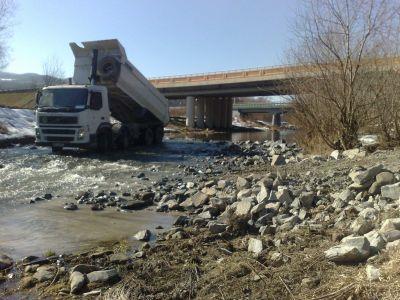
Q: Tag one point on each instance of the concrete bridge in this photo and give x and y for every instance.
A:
(209, 96)
(273, 107)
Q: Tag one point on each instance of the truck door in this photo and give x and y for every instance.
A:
(98, 115)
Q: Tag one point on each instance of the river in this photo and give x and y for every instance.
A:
(29, 172)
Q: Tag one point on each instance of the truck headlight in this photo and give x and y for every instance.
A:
(81, 133)
(37, 133)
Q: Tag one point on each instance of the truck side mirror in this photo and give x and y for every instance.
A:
(38, 95)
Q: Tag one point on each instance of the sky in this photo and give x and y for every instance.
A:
(161, 37)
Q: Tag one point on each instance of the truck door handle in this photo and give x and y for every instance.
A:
(102, 118)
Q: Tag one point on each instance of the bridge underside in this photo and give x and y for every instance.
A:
(239, 89)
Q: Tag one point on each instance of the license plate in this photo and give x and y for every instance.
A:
(58, 145)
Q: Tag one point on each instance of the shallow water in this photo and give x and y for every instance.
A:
(31, 229)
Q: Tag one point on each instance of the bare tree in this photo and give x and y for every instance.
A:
(7, 8)
(53, 71)
(344, 50)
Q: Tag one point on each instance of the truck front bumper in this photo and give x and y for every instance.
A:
(63, 137)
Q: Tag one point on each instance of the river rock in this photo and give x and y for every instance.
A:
(84, 268)
(105, 276)
(245, 193)
(216, 228)
(199, 199)
(335, 154)
(373, 273)
(352, 153)
(242, 183)
(278, 160)
(44, 273)
(362, 177)
(5, 262)
(376, 241)
(307, 199)
(143, 235)
(134, 204)
(391, 235)
(352, 250)
(119, 258)
(361, 226)
(70, 206)
(255, 246)
(27, 282)
(263, 194)
(390, 224)
(77, 282)
(243, 207)
(391, 191)
(147, 197)
(283, 196)
(385, 178)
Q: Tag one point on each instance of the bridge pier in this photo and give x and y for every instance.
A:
(209, 112)
(190, 112)
(200, 113)
(276, 119)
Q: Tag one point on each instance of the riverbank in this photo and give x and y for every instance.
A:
(258, 220)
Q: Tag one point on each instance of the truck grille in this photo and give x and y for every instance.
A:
(60, 138)
(58, 131)
(58, 120)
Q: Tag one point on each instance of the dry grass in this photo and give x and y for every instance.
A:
(18, 99)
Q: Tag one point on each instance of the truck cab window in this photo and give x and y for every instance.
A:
(96, 101)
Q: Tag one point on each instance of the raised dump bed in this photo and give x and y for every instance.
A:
(132, 98)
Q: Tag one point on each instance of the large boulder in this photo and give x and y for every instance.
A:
(103, 277)
(352, 250)
(77, 282)
(362, 177)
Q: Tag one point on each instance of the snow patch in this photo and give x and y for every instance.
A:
(18, 123)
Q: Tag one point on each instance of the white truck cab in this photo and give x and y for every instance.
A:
(71, 115)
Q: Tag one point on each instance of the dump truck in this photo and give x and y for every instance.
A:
(107, 105)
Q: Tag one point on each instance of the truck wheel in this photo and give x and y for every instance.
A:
(123, 141)
(158, 135)
(148, 137)
(104, 142)
(56, 149)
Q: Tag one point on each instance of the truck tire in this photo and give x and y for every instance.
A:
(104, 142)
(158, 135)
(109, 68)
(123, 140)
(56, 149)
(148, 137)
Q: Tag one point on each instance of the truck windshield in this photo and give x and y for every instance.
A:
(71, 98)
